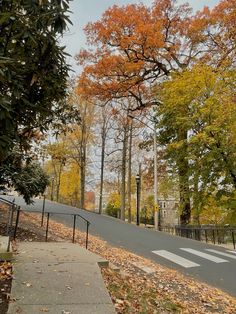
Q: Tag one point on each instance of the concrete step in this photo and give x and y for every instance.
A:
(4, 254)
(58, 278)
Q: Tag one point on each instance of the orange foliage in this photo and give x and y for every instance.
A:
(135, 46)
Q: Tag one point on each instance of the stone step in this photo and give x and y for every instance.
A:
(4, 254)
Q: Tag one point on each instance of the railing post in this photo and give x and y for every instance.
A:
(218, 237)
(213, 233)
(42, 218)
(73, 240)
(48, 215)
(86, 244)
(233, 239)
(10, 217)
(17, 221)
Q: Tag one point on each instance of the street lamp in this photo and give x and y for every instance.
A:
(52, 188)
(137, 178)
(157, 213)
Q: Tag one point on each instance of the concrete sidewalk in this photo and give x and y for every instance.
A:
(58, 278)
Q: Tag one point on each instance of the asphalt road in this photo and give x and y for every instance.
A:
(194, 258)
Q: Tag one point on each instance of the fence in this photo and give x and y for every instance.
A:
(209, 234)
(13, 218)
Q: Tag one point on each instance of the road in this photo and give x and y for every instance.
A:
(211, 264)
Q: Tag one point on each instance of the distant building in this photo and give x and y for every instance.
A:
(169, 211)
(105, 198)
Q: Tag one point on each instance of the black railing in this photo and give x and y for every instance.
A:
(209, 234)
(17, 209)
(10, 217)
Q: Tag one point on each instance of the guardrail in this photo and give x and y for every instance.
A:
(209, 234)
(17, 209)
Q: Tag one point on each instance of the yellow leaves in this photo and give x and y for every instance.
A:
(212, 213)
(114, 200)
(70, 186)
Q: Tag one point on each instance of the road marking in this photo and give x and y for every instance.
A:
(221, 253)
(176, 259)
(234, 252)
(205, 255)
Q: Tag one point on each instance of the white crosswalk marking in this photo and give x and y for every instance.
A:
(205, 255)
(221, 253)
(234, 252)
(176, 259)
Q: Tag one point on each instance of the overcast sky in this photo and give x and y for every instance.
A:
(84, 11)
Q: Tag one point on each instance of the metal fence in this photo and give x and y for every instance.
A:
(209, 234)
(13, 220)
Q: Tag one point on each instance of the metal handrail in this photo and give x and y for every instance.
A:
(18, 209)
(7, 201)
(48, 213)
(207, 233)
(10, 215)
(68, 214)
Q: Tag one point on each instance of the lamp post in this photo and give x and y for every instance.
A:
(157, 213)
(52, 190)
(43, 210)
(137, 178)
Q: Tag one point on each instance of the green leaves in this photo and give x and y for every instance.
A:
(33, 80)
(32, 64)
(201, 103)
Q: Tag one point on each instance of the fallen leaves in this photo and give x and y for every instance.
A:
(142, 286)
(5, 270)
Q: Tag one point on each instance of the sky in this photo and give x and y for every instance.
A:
(84, 11)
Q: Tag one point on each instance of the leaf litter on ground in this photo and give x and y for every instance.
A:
(135, 291)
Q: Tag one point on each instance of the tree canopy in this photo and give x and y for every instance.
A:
(183, 63)
(32, 67)
(33, 78)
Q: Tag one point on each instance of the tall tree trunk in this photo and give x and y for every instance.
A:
(196, 197)
(58, 181)
(129, 172)
(183, 172)
(123, 173)
(82, 175)
(104, 133)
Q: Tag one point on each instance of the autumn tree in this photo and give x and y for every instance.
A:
(70, 186)
(201, 103)
(80, 138)
(103, 121)
(136, 47)
(58, 153)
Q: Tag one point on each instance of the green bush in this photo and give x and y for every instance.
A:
(112, 211)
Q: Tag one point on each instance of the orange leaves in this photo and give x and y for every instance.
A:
(135, 46)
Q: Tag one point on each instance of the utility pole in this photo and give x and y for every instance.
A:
(138, 184)
(156, 207)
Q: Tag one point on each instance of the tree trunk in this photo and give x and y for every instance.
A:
(123, 174)
(104, 133)
(183, 172)
(82, 175)
(129, 173)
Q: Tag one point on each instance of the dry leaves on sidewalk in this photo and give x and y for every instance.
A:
(134, 291)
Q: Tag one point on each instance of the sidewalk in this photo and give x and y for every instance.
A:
(58, 278)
